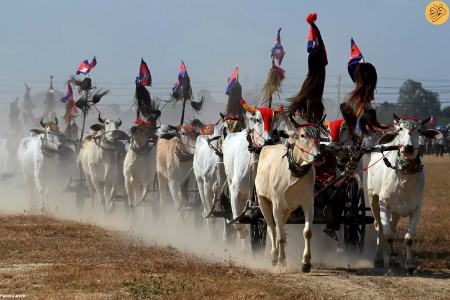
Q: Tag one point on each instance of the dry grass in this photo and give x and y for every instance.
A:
(432, 245)
(49, 258)
(46, 258)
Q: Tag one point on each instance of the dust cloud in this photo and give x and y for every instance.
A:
(191, 236)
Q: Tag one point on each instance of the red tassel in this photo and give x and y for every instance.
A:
(142, 122)
(280, 71)
(312, 17)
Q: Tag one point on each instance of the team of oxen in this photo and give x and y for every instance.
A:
(234, 155)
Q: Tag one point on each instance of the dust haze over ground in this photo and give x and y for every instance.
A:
(345, 274)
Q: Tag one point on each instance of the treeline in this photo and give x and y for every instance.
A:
(415, 101)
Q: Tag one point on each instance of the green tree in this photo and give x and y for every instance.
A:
(385, 112)
(416, 101)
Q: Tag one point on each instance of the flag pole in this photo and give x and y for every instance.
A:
(184, 102)
(182, 112)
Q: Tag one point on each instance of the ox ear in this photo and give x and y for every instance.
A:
(97, 127)
(38, 131)
(387, 138)
(431, 133)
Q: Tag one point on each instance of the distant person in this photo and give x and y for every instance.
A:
(422, 149)
(440, 145)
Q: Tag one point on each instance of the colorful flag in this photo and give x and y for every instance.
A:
(356, 57)
(69, 94)
(182, 71)
(314, 37)
(85, 67)
(232, 80)
(278, 51)
(145, 78)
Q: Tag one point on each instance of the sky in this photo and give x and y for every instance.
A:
(44, 37)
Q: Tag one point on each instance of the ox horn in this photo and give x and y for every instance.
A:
(100, 118)
(120, 123)
(320, 123)
(279, 110)
(56, 121)
(42, 123)
(247, 107)
(396, 118)
(296, 125)
(423, 122)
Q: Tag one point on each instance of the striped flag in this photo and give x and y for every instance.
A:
(69, 94)
(232, 80)
(356, 57)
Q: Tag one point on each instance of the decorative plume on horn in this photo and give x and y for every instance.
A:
(247, 107)
(85, 84)
(98, 95)
(144, 104)
(276, 74)
(308, 101)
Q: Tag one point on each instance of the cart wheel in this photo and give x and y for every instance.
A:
(355, 214)
(258, 231)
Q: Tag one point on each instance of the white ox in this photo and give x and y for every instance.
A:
(240, 164)
(285, 182)
(174, 165)
(397, 191)
(38, 159)
(139, 167)
(209, 171)
(101, 157)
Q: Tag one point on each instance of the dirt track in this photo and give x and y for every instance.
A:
(44, 257)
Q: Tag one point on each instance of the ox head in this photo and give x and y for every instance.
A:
(142, 131)
(109, 128)
(51, 138)
(262, 120)
(406, 134)
(231, 123)
(187, 135)
(306, 140)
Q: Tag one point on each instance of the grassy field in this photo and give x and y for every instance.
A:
(432, 245)
(48, 258)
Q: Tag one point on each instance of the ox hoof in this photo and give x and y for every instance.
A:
(393, 263)
(411, 270)
(379, 264)
(306, 268)
(282, 263)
